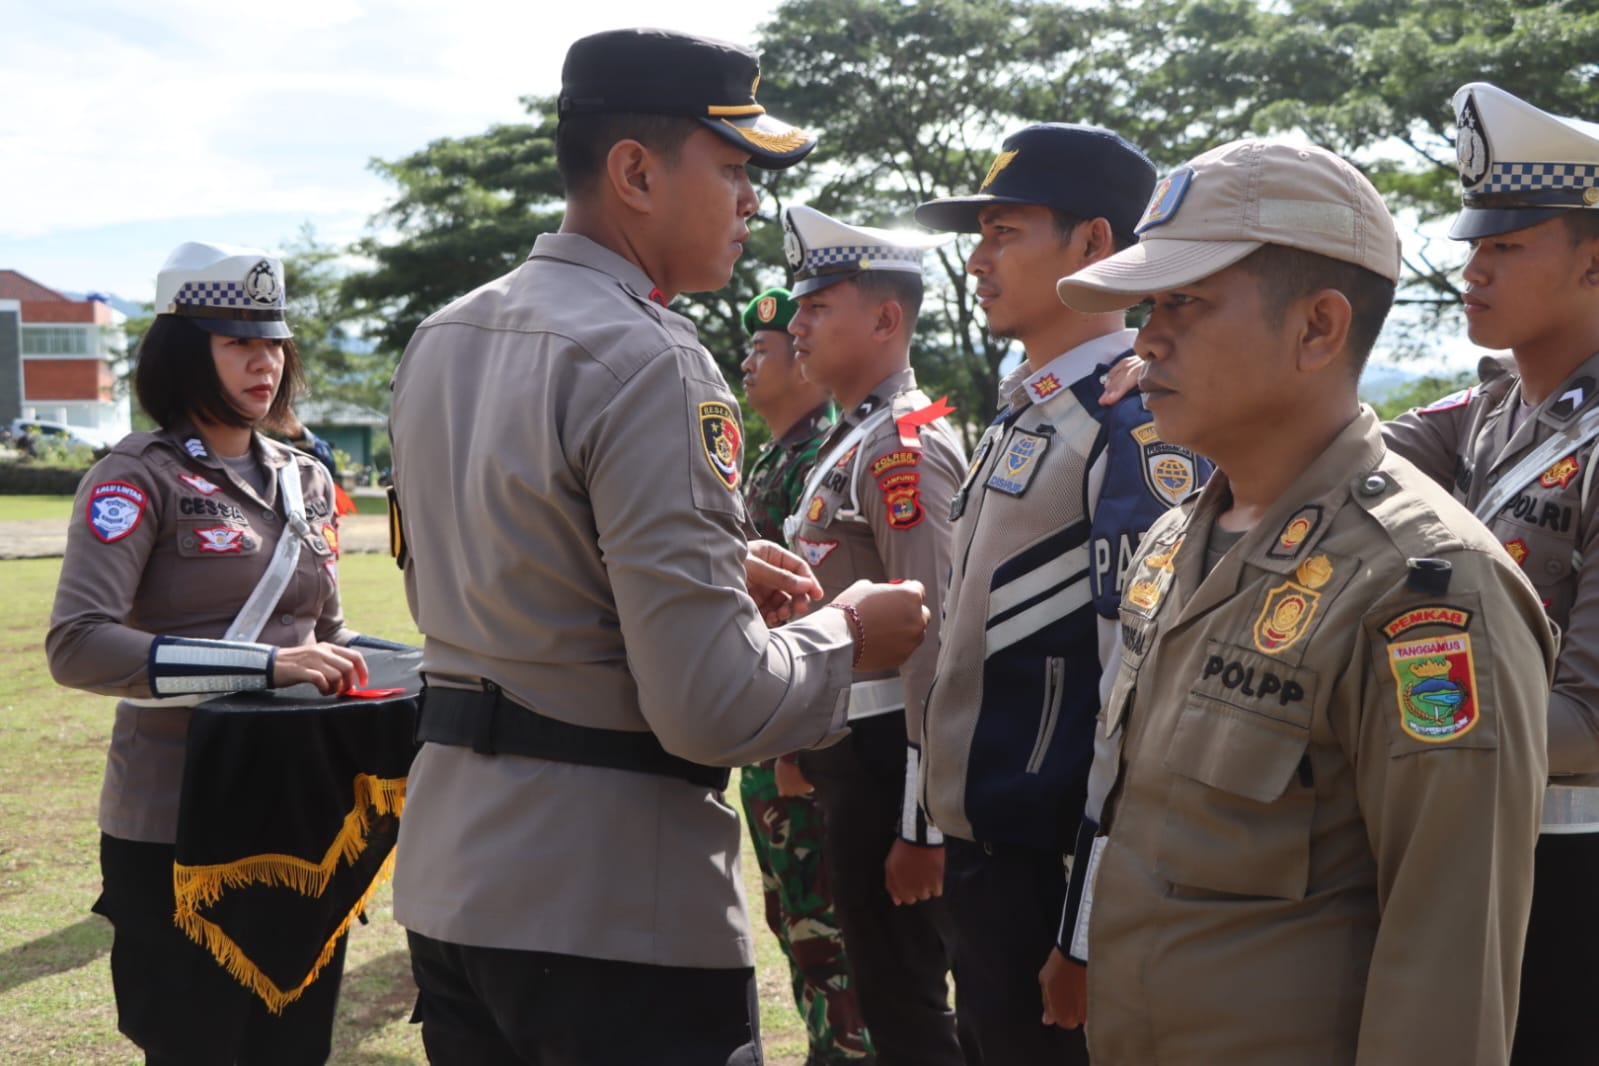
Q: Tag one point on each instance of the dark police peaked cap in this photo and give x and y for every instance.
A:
(660, 72)
(1519, 166)
(1085, 171)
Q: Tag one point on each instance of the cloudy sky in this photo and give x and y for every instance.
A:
(132, 127)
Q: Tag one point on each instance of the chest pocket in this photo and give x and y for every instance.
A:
(215, 538)
(1242, 797)
(1540, 527)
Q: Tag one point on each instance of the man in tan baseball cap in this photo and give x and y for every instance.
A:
(1320, 774)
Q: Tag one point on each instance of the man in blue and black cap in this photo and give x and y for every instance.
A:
(1047, 518)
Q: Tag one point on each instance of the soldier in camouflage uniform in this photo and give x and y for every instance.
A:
(785, 823)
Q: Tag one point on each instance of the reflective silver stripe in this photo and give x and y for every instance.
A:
(868, 699)
(1570, 809)
(171, 701)
(214, 655)
(910, 817)
(252, 617)
(1535, 462)
(791, 524)
(1024, 624)
(1079, 944)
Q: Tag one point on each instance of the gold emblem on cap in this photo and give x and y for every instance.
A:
(776, 143)
(1003, 160)
(1590, 196)
(766, 310)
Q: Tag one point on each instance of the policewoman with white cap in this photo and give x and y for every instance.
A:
(201, 559)
(1519, 449)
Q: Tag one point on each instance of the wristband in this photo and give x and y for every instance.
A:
(857, 630)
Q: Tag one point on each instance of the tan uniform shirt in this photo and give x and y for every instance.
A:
(1549, 527)
(881, 513)
(1321, 835)
(166, 540)
(567, 457)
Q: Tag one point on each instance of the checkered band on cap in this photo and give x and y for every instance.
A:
(213, 294)
(878, 254)
(1533, 177)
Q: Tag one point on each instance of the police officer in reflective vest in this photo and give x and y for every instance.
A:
(1047, 518)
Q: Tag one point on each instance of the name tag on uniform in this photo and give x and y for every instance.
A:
(1015, 469)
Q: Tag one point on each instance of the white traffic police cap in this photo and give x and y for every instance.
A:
(236, 292)
(823, 251)
(1518, 165)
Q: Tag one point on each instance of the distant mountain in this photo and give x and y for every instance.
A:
(130, 308)
(1380, 379)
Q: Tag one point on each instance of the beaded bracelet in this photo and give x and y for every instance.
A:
(857, 630)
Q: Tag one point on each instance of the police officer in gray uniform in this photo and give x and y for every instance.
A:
(1519, 449)
(567, 455)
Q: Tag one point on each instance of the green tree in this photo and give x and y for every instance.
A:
(1370, 79)
(913, 101)
(1420, 393)
(467, 211)
(339, 364)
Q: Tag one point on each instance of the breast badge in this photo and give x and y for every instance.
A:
(1170, 472)
(1015, 468)
(114, 510)
(1295, 531)
(1560, 475)
(814, 552)
(1285, 617)
(1437, 687)
(198, 484)
(1155, 573)
(721, 439)
(221, 540)
(1518, 550)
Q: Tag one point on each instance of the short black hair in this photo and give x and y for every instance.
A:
(582, 142)
(901, 286)
(1582, 225)
(1066, 222)
(175, 377)
(1285, 274)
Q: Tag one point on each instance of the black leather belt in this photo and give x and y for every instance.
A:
(488, 723)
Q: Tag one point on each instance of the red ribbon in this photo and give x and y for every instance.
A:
(909, 425)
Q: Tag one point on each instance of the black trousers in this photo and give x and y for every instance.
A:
(174, 1000)
(1006, 902)
(500, 1007)
(1560, 970)
(899, 955)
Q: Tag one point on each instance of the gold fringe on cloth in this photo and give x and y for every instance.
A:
(201, 886)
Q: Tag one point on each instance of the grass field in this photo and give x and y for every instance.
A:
(55, 992)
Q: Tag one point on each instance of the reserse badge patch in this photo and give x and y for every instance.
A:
(721, 439)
